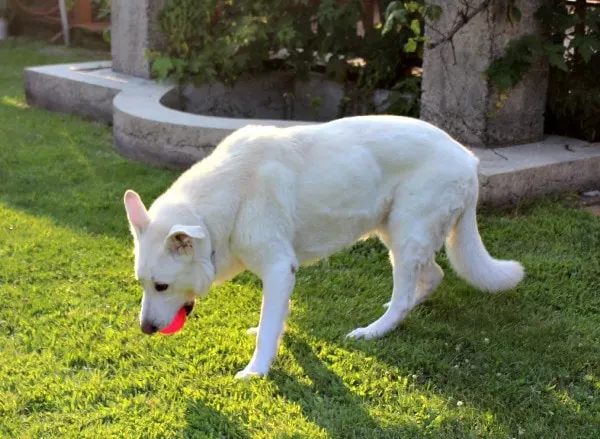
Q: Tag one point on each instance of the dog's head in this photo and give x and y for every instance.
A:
(173, 262)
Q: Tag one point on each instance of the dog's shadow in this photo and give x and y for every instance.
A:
(460, 344)
(205, 421)
(323, 397)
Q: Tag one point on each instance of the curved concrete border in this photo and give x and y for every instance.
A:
(144, 129)
(147, 131)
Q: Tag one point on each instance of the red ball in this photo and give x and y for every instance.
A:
(177, 322)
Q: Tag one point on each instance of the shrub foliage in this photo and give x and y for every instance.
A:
(221, 40)
(209, 40)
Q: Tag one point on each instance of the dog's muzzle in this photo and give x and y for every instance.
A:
(150, 328)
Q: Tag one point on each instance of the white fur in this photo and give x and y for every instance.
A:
(269, 199)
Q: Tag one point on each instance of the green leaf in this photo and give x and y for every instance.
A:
(415, 26)
(412, 6)
(400, 16)
(410, 46)
(558, 60)
(397, 18)
(389, 24)
(161, 67)
(503, 81)
(586, 46)
(586, 52)
(393, 6)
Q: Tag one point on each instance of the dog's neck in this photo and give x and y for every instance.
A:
(224, 263)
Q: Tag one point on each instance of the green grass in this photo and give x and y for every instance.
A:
(74, 364)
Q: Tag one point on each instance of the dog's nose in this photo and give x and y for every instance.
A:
(149, 328)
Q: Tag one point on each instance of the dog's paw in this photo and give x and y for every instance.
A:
(248, 373)
(364, 334)
(370, 332)
(252, 331)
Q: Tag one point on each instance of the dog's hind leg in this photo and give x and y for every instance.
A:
(408, 257)
(413, 238)
(430, 278)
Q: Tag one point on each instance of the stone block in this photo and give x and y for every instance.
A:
(72, 89)
(134, 30)
(553, 165)
(458, 97)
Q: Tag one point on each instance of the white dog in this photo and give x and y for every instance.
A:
(269, 199)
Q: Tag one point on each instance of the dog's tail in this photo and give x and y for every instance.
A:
(471, 260)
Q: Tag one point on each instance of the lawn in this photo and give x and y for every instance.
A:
(74, 364)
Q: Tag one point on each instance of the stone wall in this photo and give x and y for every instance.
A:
(456, 95)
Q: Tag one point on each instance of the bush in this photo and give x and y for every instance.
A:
(572, 47)
(574, 90)
(101, 9)
(220, 40)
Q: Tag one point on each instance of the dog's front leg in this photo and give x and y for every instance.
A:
(278, 283)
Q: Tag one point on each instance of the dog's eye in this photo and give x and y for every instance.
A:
(160, 287)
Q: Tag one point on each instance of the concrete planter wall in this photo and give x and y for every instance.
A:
(277, 95)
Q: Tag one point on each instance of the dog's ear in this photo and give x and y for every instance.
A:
(136, 213)
(181, 239)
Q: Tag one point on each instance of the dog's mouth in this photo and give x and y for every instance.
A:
(178, 320)
(189, 307)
